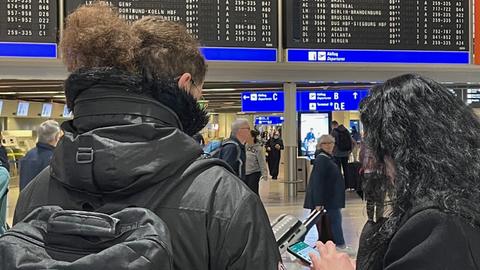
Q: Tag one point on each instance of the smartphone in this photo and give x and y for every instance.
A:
(301, 251)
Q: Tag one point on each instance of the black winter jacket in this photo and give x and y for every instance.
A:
(140, 158)
(428, 239)
(326, 186)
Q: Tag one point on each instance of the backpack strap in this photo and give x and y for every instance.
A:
(239, 154)
(84, 158)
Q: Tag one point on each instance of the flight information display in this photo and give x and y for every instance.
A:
(216, 23)
(28, 28)
(28, 21)
(440, 26)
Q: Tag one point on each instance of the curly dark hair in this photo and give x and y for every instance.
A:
(433, 139)
(168, 50)
(95, 36)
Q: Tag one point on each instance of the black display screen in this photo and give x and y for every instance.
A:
(434, 25)
(216, 23)
(28, 21)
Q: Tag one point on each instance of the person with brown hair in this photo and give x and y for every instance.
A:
(133, 91)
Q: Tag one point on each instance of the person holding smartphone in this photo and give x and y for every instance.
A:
(428, 141)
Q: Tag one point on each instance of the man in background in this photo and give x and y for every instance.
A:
(39, 157)
(233, 149)
(343, 145)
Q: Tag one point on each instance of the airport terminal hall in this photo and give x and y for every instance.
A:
(240, 134)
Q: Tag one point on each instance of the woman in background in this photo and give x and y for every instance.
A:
(256, 167)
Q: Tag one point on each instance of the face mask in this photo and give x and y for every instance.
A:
(276, 137)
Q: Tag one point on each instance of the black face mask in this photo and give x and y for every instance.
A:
(191, 115)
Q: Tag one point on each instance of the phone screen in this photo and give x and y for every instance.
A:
(301, 251)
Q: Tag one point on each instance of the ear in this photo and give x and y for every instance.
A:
(184, 81)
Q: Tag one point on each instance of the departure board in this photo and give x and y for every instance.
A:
(389, 25)
(216, 23)
(33, 21)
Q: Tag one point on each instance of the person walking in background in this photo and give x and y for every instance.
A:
(357, 138)
(233, 149)
(343, 145)
(373, 185)
(274, 148)
(326, 189)
(38, 158)
(256, 168)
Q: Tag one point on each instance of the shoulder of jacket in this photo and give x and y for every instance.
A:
(219, 191)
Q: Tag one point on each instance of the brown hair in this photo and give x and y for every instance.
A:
(168, 50)
(95, 36)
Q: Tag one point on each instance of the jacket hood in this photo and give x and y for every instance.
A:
(105, 83)
(121, 140)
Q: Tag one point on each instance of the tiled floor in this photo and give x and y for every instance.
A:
(272, 195)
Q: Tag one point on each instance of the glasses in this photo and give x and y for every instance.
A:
(326, 143)
(245, 128)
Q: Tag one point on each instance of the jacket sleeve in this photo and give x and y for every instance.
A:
(281, 145)
(229, 154)
(318, 176)
(249, 242)
(431, 240)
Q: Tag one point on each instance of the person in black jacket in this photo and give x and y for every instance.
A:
(274, 148)
(130, 144)
(326, 189)
(39, 157)
(428, 141)
(233, 149)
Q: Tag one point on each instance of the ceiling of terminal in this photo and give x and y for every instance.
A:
(221, 97)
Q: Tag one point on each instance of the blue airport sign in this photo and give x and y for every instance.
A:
(377, 56)
(263, 101)
(269, 120)
(330, 100)
(28, 50)
(239, 54)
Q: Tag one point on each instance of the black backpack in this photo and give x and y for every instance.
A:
(53, 238)
(215, 153)
(344, 140)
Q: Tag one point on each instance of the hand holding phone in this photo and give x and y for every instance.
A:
(301, 250)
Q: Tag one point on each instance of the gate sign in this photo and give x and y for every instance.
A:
(330, 100)
(473, 98)
(263, 101)
(268, 120)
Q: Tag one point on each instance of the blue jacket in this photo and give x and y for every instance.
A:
(34, 162)
(4, 179)
(326, 186)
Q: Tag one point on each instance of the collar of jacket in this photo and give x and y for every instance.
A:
(45, 146)
(325, 152)
(99, 92)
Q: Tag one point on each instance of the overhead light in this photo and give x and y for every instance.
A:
(220, 90)
(32, 93)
